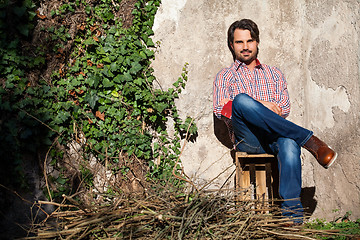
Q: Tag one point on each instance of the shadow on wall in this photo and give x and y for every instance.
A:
(307, 200)
(221, 132)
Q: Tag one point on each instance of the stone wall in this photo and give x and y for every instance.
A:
(316, 45)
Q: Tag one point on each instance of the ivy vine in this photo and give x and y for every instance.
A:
(102, 93)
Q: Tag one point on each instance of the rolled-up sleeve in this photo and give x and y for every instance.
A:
(281, 93)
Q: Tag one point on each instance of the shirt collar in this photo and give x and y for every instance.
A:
(237, 64)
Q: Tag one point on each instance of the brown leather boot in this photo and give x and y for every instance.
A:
(321, 151)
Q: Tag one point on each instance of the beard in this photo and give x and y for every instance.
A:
(247, 56)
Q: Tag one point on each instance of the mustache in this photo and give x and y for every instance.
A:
(246, 51)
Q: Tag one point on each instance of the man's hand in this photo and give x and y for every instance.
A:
(272, 106)
(224, 101)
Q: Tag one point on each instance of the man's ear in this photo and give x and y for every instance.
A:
(232, 46)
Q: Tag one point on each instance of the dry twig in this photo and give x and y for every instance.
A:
(214, 215)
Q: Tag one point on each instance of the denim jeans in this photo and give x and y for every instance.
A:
(259, 130)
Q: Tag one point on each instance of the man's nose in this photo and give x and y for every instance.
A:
(245, 46)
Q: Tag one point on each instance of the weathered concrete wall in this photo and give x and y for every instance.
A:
(314, 42)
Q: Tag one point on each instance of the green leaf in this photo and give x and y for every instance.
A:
(87, 9)
(107, 83)
(139, 81)
(19, 11)
(39, 60)
(100, 51)
(23, 29)
(115, 94)
(150, 43)
(9, 85)
(160, 106)
(61, 180)
(126, 77)
(114, 67)
(93, 80)
(91, 98)
(135, 67)
(107, 59)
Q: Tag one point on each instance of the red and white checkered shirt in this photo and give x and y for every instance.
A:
(264, 83)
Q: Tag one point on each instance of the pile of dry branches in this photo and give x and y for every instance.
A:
(206, 215)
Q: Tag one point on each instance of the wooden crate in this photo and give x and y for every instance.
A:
(255, 176)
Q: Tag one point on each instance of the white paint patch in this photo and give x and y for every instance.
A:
(332, 29)
(169, 10)
(322, 101)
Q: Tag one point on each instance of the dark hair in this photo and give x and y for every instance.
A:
(245, 24)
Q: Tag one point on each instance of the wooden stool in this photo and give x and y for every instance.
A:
(255, 176)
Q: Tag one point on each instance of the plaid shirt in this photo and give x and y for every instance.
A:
(265, 83)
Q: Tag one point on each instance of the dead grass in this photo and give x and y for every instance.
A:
(166, 215)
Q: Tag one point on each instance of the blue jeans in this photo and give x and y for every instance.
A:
(259, 130)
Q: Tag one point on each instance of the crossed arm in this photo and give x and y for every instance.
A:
(270, 105)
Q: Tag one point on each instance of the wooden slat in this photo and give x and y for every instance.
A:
(246, 155)
(252, 180)
(237, 174)
(269, 180)
(261, 191)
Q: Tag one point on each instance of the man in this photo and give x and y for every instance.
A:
(255, 97)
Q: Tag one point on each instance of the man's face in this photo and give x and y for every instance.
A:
(245, 46)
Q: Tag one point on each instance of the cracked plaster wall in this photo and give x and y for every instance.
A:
(316, 45)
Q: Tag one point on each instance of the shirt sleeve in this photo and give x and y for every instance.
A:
(220, 91)
(281, 93)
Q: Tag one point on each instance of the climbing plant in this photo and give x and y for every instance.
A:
(16, 130)
(102, 91)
